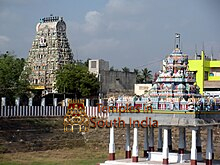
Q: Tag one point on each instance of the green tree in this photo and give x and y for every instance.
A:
(112, 68)
(75, 78)
(87, 62)
(125, 69)
(147, 75)
(139, 77)
(13, 82)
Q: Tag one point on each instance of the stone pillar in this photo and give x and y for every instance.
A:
(160, 143)
(170, 139)
(184, 136)
(43, 102)
(165, 146)
(213, 156)
(30, 101)
(151, 139)
(112, 144)
(181, 144)
(198, 141)
(3, 101)
(146, 144)
(54, 102)
(209, 148)
(193, 147)
(17, 101)
(127, 145)
(135, 145)
(198, 145)
(87, 103)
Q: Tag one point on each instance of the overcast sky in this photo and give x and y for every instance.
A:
(132, 33)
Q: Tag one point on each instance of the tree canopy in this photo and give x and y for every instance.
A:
(75, 78)
(13, 82)
(125, 69)
(143, 76)
(147, 75)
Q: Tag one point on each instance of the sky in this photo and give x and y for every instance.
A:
(131, 33)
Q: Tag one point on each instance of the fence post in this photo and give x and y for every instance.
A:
(3, 101)
(100, 101)
(17, 101)
(3, 106)
(87, 102)
(30, 101)
(66, 102)
(43, 106)
(55, 102)
(43, 102)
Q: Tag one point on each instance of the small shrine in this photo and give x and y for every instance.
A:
(174, 89)
(175, 83)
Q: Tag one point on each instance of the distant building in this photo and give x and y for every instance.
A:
(207, 73)
(96, 66)
(141, 89)
(112, 82)
(50, 50)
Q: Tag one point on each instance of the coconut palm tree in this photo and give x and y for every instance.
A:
(125, 69)
(139, 76)
(147, 75)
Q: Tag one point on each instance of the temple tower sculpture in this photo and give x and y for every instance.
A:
(175, 82)
(50, 50)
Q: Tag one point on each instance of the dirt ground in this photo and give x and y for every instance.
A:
(43, 141)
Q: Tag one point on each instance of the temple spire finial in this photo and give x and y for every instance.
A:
(177, 41)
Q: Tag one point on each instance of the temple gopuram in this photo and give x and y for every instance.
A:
(176, 106)
(50, 50)
(175, 82)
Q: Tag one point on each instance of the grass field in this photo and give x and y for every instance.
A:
(79, 156)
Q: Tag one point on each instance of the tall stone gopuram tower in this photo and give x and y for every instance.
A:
(50, 50)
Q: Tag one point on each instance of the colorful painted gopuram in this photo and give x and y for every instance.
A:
(177, 105)
(174, 83)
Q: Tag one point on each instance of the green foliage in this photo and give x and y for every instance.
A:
(75, 78)
(143, 76)
(139, 77)
(86, 63)
(13, 82)
(147, 75)
(112, 68)
(125, 69)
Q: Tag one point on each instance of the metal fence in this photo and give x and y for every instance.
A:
(45, 111)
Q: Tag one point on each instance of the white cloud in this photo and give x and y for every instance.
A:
(93, 21)
(112, 32)
(4, 40)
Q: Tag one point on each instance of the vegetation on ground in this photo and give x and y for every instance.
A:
(77, 156)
